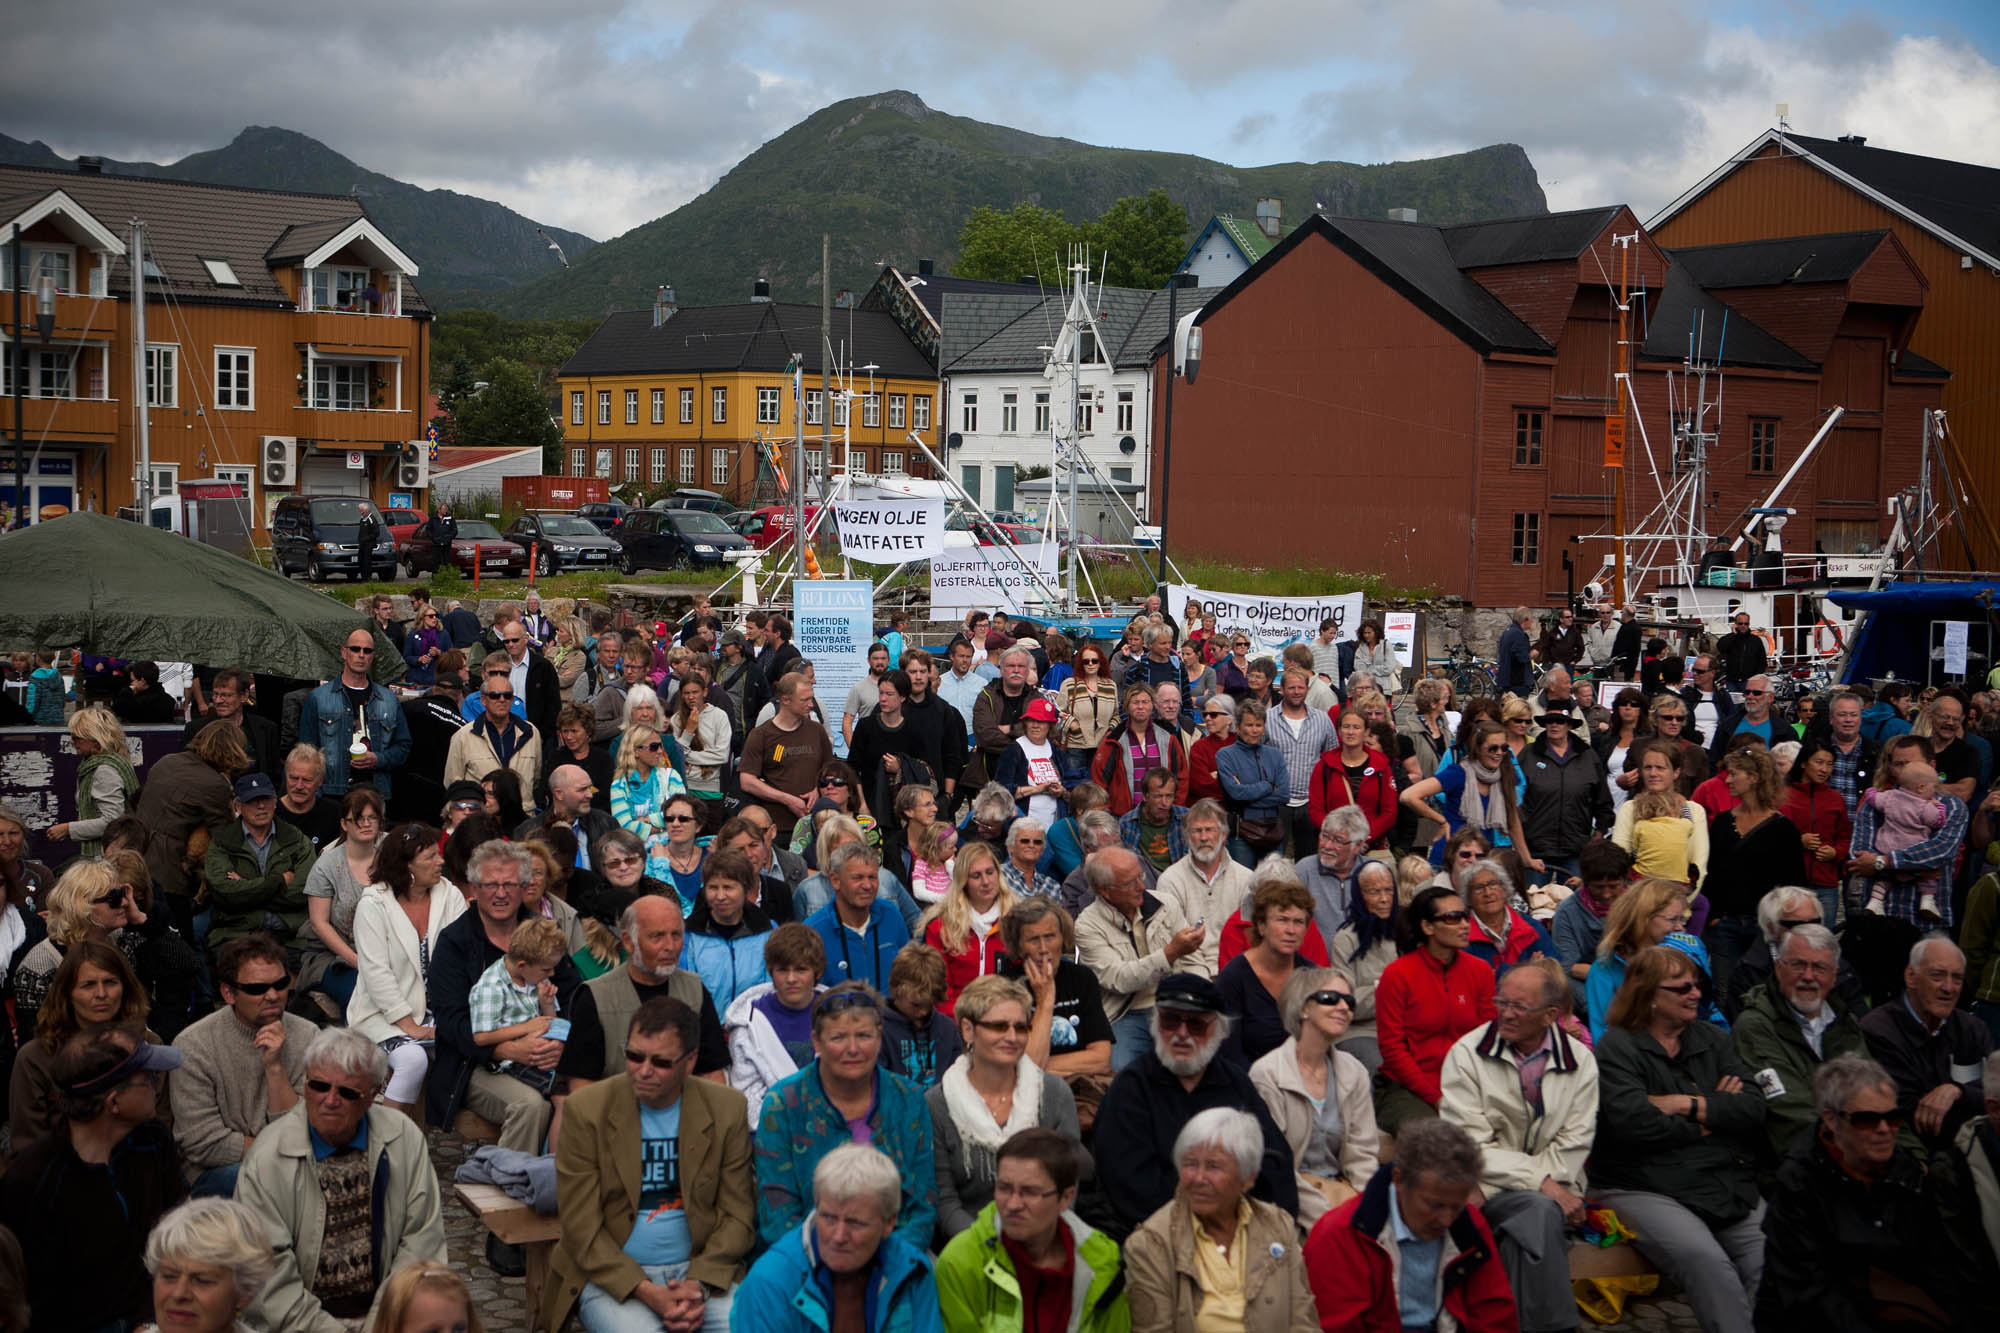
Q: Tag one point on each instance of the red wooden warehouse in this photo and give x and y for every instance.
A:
(1429, 402)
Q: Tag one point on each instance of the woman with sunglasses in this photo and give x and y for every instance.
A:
(839, 784)
(1670, 724)
(1679, 1128)
(88, 903)
(396, 929)
(1319, 1094)
(1218, 718)
(989, 1094)
(642, 709)
(334, 887)
(1232, 673)
(426, 642)
(106, 783)
(678, 854)
(1481, 791)
(1427, 999)
(641, 782)
(1088, 703)
(1615, 744)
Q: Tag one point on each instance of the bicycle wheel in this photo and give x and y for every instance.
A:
(1468, 681)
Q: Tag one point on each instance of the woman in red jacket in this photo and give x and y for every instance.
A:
(1355, 774)
(1218, 717)
(965, 926)
(1426, 1000)
(1816, 810)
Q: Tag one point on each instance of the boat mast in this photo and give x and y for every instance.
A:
(1614, 438)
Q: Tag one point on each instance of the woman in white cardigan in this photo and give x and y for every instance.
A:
(702, 731)
(396, 925)
(1320, 1095)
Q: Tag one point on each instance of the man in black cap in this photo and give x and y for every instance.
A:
(82, 1201)
(257, 868)
(1155, 1095)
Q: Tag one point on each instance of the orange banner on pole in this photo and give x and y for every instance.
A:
(1614, 442)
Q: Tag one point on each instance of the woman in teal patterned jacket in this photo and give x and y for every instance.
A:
(843, 1096)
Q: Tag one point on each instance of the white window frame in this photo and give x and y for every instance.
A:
(871, 410)
(631, 462)
(1086, 414)
(689, 461)
(718, 467)
(163, 374)
(631, 407)
(579, 460)
(1125, 409)
(604, 407)
(892, 460)
(166, 479)
(687, 407)
(338, 278)
(220, 273)
(333, 386)
(968, 420)
(576, 410)
(815, 464)
(1010, 413)
(840, 409)
(658, 474)
(1042, 412)
(242, 474)
(767, 405)
(815, 407)
(899, 408)
(39, 254)
(236, 380)
(920, 411)
(718, 405)
(659, 407)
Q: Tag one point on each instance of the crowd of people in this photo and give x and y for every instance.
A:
(1049, 984)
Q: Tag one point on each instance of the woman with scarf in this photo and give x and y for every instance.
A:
(1363, 949)
(965, 927)
(106, 783)
(1478, 790)
(989, 1094)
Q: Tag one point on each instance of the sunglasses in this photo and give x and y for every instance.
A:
(262, 987)
(1678, 987)
(1456, 914)
(679, 819)
(1196, 1025)
(853, 999)
(322, 1087)
(1000, 1027)
(1215, 713)
(1873, 1119)
(115, 898)
(656, 1061)
(620, 862)
(833, 782)
(1331, 998)
(508, 694)
(467, 807)
(362, 648)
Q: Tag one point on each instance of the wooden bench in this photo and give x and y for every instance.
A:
(515, 1223)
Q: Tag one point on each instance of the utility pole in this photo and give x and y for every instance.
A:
(136, 257)
(1614, 427)
(1174, 285)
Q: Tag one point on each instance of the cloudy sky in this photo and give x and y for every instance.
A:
(600, 114)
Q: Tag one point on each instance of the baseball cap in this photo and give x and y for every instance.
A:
(254, 787)
(996, 640)
(1182, 990)
(1039, 710)
(734, 636)
(94, 1075)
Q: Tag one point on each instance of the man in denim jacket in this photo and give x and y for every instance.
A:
(326, 722)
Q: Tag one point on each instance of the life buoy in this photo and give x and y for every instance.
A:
(1770, 644)
(1827, 641)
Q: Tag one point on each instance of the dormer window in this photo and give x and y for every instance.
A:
(336, 288)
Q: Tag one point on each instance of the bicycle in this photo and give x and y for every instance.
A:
(1467, 675)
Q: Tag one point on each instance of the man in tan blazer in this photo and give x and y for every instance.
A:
(654, 1187)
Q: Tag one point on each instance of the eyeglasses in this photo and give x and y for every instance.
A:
(831, 1003)
(620, 862)
(1025, 840)
(999, 1027)
(1469, 853)
(1515, 1006)
(1813, 966)
(262, 987)
(1195, 1025)
(1331, 998)
(367, 650)
(679, 819)
(115, 898)
(1026, 1193)
(1456, 914)
(833, 782)
(1672, 918)
(501, 694)
(1678, 987)
(1873, 1119)
(656, 1061)
(322, 1087)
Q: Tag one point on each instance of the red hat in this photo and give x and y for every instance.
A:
(1039, 710)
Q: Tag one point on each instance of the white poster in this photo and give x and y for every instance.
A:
(1954, 646)
(990, 578)
(888, 532)
(833, 624)
(1272, 622)
(1399, 628)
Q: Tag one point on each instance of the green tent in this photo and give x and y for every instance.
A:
(119, 589)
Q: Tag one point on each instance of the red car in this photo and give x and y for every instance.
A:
(403, 525)
(478, 545)
(770, 525)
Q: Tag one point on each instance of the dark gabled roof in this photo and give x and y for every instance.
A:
(1834, 257)
(1922, 367)
(1960, 197)
(1681, 317)
(930, 289)
(1414, 257)
(759, 336)
(1526, 240)
(301, 240)
(1013, 331)
(187, 221)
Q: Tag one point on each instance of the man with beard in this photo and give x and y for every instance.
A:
(1153, 1097)
(1208, 884)
(1329, 873)
(1790, 1026)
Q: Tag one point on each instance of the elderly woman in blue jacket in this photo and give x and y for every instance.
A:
(1254, 778)
(805, 1283)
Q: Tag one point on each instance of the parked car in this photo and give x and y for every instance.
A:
(403, 523)
(693, 497)
(557, 540)
(772, 524)
(320, 536)
(674, 538)
(604, 515)
(478, 545)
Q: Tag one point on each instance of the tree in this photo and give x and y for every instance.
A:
(1141, 239)
(510, 410)
(454, 390)
(1003, 247)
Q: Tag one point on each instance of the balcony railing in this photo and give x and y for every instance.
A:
(94, 420)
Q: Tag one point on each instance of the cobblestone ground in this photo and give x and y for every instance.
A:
(503, 1302)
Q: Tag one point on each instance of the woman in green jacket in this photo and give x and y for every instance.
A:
(106, 783)
(1028, 1240)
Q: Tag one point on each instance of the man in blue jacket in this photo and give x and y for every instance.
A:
(1512, 671)
(862, 931)
(327, 722)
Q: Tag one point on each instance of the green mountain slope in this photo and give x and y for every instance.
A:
(891, 179)
(465, 247)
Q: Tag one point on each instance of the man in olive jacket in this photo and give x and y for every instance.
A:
(256, 868)
(1790, 1026)
(653, 1184)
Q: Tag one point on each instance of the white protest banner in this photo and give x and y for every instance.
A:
(834, 622)
(888, 532)
(1273, 622)
(1955, 640)
(1399, 628)
(990, 578)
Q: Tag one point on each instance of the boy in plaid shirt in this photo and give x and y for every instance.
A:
(515, 997)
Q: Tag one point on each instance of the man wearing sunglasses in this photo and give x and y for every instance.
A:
(242, 1066)
(497, 738)
(348, 1183)
(534, 678)
(1159, 1092)
(328, 717)
(654, 1187)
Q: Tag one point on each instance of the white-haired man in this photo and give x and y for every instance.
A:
(1931, 1047)
(1208, 884)
(1790, 1025)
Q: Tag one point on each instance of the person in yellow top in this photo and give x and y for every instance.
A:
(1666, 833)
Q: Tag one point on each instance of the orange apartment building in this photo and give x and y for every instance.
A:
(683, 396)
(286, 346)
